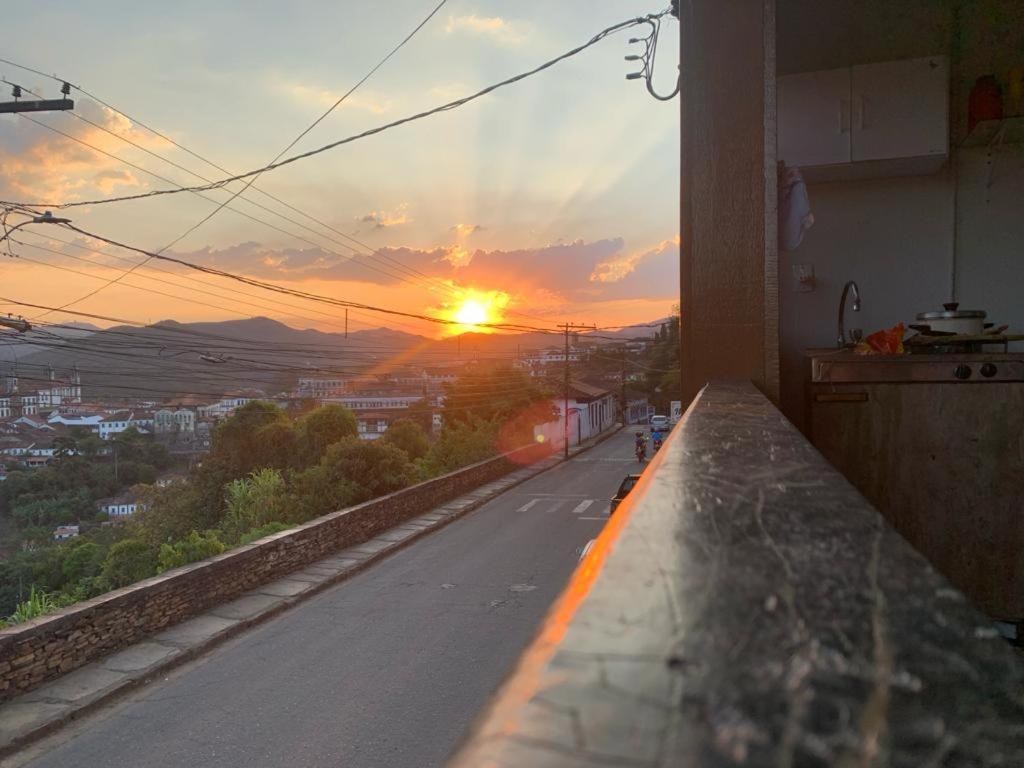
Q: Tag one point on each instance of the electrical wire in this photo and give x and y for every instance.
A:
(292, 291)
(370, 132)
(253, 177)
(370, 250)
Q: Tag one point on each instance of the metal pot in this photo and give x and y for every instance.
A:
(970, 322)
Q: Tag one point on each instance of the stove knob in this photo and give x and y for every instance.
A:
(988, 370)
(962, 371)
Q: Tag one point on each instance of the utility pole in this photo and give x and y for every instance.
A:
(37, 105)
(20, 324)
(567, 327)
(623, 381)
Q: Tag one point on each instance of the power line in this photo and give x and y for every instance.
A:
(372, 131)
(371, 251)
(295, 292)
(253, 177)
(273, 306)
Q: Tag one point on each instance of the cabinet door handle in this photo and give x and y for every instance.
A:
(860, 112)
(844, 116)
(841, 397)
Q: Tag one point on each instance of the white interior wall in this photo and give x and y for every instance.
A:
(898, 238)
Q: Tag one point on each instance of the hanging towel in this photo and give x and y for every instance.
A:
(795, 216)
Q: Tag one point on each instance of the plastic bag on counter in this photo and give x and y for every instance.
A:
(887, 342)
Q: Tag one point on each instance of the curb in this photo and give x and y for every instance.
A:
(187, 654)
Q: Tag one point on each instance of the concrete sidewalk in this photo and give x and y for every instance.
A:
(43, 710)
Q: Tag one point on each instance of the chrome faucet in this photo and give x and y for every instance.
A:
(854, 334)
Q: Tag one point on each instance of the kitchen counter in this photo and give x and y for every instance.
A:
(846, 366)
(936, 443)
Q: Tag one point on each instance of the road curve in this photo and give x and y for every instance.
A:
(385, 670)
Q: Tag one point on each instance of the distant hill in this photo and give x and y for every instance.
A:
(169, 358)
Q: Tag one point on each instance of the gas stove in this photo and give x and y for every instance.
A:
(953, 367)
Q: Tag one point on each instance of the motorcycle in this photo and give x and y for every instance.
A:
(657, 445)
(641, 453)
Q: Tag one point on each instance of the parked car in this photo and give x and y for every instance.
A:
(585, 549)
(624, 488)
(659, 422)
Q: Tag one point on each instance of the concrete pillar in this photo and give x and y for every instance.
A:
(729, 246)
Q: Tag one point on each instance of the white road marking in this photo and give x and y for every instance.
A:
(559, 495)
(582, 506)
(591, 518)
(527, 505)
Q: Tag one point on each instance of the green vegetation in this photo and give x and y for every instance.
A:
(264, 474)
(408, 436)
(195, 547)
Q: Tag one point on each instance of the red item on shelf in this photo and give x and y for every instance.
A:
(887, 342)
(985, 102)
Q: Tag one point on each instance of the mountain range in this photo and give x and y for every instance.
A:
(169, 358)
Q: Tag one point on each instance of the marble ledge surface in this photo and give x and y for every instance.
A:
(747, 607)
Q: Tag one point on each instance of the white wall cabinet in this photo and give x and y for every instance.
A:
(868, 120)
(900, 109)
(814, 112)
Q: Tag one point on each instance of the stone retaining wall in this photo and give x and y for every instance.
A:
(58, 643)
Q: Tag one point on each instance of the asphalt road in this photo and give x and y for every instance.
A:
(385, 670)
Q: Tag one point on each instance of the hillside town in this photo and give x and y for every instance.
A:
(44, 419)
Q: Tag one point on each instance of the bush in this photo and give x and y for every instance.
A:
(83, 561)
(38, 604)
(407, 435)
(264, 530)
(459, 445)
(193, 548)
(322, 428)
(129, 561)
(254, 501)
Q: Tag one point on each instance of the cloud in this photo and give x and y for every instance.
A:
(646, 274)
(562, 272)
(108, 181)
(618, 268)
(465, 230)
(40, 165)
(325, 97)
(385, 219)
(493, 27)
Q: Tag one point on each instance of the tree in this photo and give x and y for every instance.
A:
(492, 394)
(408, 436)
(127, 562)
(351, 472)
(237, 451)
(322, 428)
(168, 514)
(460, 444)
(254, 501)
(191, 549)
(277, 446)
(422, 412)
(83, 561)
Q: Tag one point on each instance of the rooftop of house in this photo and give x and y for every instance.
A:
(581, 390)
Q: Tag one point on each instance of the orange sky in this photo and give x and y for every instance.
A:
(554, 200)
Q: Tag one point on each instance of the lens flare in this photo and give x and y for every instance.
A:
(474, 310)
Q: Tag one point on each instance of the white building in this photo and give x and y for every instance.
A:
(65, 532)
(169, 422)
(120, 421)
(317, 387)
(119, 507)
(592, 410)
(17, 400)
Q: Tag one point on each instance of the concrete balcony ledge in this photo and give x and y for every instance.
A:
(746, 606)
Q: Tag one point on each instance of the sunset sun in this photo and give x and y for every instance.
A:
(475, 310)
(471, 312)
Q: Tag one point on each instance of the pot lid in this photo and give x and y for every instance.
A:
(951, 311)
